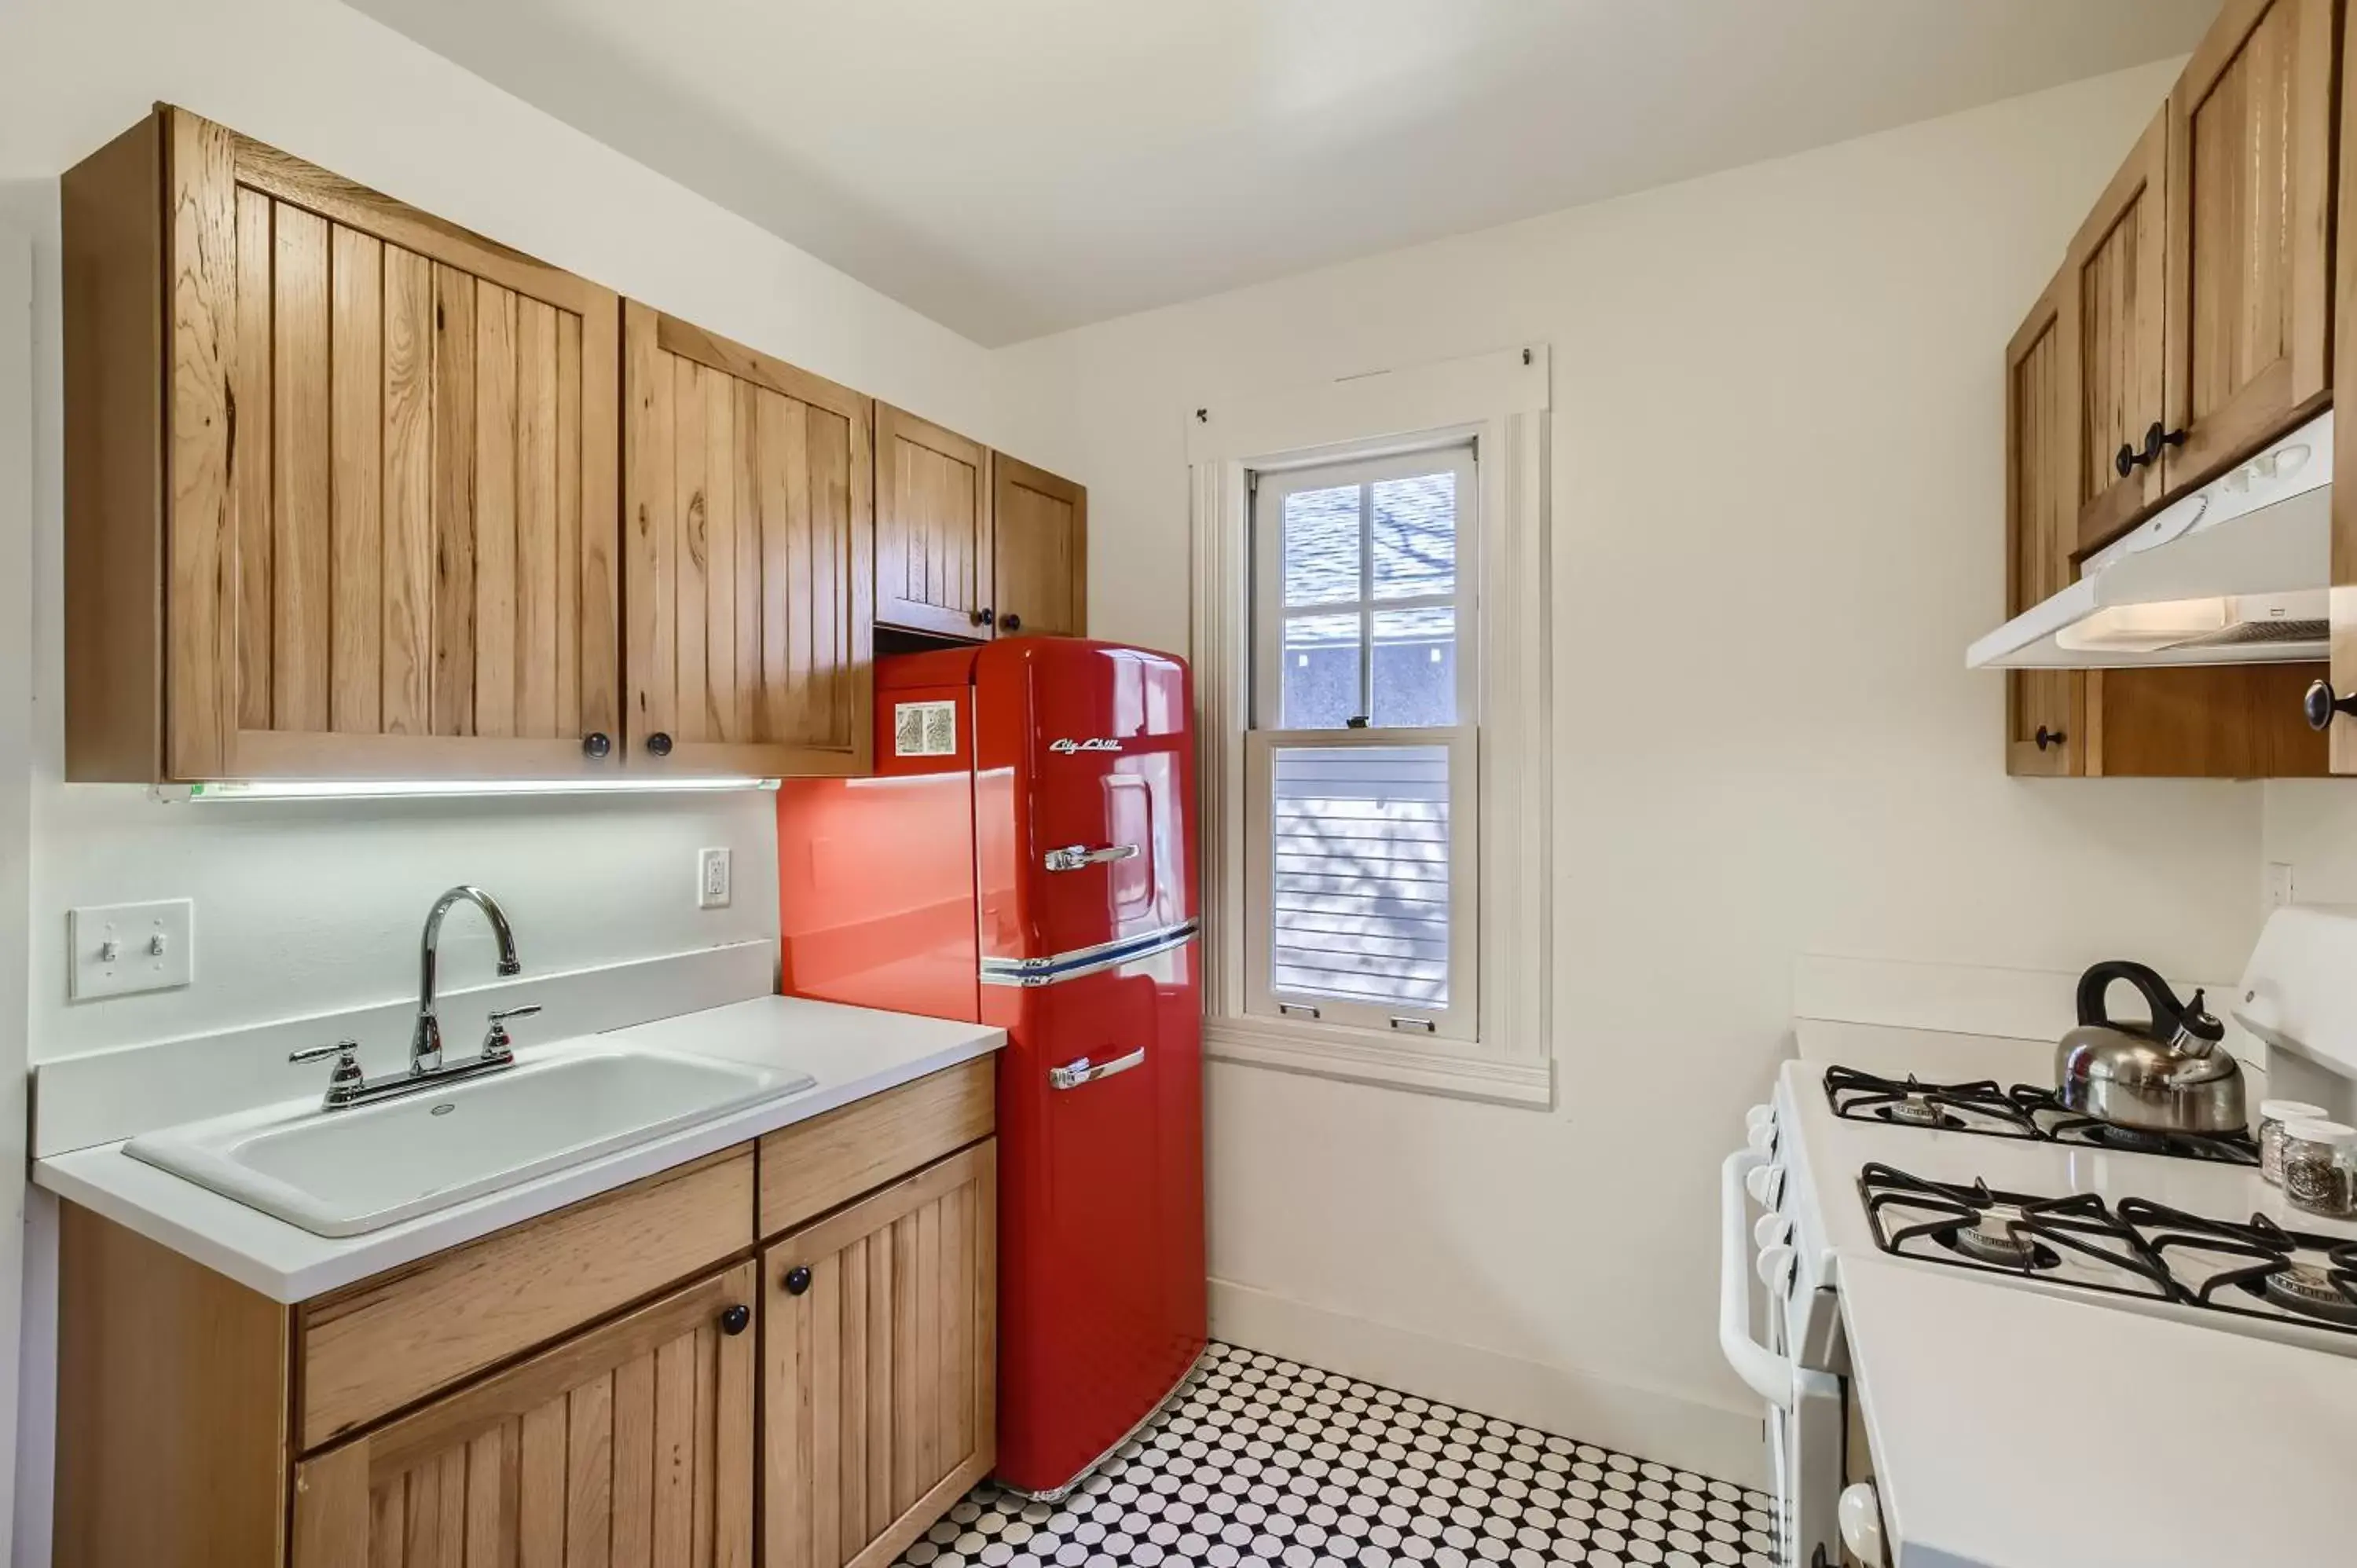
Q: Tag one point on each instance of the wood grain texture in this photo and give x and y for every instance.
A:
(252, 457)
(388, 1341)
(537, 557)
(2042, 424)
(408, 571)
(876, 1392)
(2114, 283)
(2252, 138)
(752, 641)
(933, 527)
(627, 1445)
(1040, 556)
(356, 537)
(172, 1401)
(2225, 721)
(812, 1166)
(495, 511)
(114, 274)
(453, 502)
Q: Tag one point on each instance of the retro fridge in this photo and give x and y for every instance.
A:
(1025, 857)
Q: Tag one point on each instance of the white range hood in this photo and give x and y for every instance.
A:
(2235, 572)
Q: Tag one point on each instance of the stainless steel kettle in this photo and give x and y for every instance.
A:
(2168, 1076)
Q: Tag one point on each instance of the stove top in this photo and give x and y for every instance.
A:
(2253, 1269)
(2024, 1111)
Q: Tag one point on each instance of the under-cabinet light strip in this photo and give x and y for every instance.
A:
(405, 788)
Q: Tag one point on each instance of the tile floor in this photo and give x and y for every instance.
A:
(1261, 1460)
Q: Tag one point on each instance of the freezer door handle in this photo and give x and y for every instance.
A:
(1073, 856)
(1073, 1074)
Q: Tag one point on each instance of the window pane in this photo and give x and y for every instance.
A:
(1359, 889)
(1321, 546)
(1415, 667)
(1322, 671)
(1416, 536)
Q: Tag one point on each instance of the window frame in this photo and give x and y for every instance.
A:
(1501, 402)
(1458, 1019)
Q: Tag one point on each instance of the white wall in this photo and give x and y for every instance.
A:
(1777, 520)
(302, 908)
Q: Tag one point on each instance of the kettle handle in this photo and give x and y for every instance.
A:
(2168, 1013)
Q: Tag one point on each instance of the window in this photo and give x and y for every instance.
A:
(1362, 906)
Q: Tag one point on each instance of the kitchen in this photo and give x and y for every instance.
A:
(1835, 506)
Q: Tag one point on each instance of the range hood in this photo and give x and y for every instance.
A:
(2235, 572)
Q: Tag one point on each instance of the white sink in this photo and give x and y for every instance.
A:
(343, 1172)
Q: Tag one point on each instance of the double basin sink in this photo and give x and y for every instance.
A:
(349, 1171)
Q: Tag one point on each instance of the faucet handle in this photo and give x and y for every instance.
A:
(343, 1050)
(346, 1081)
(496, 1045)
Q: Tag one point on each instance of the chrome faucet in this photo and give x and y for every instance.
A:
(426, 1039)
(349, 1086)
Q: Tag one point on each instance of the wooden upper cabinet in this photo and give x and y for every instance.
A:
(633, 1443)
(748, 564)
(2107, 362)
(1040, 556)
(933, 528)
(340, 479)
(2043, 727)
(879, 1356)
(2251, 140)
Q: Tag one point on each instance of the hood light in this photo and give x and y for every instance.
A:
(2145, 629)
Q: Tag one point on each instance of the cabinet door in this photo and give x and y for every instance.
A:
(748, 565)
(2250, 164)
(632, 1443)
(880, 1358)
(933, 528)
(1040, 557)
(2111, 292)
(2042, 727)
(391, 514)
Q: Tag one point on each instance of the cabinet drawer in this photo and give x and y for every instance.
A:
(390, 1341)
(810, 1167)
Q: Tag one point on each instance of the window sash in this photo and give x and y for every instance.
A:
(1270, 613)
(1458, 1021)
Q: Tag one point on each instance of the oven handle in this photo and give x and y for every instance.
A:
(1769, 1374)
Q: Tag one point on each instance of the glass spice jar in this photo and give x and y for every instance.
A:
(2272, 1115)
(2318, 1159)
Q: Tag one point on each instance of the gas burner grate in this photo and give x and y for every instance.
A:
(2255, 1268)
(2009, 1233)
(2023, 1112)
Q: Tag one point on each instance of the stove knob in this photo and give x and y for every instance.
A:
(1860, 1513)
(1775, 1267)
(1773, 1230)
(1763, 1138)
(1766, 1185)
(1758, 1114)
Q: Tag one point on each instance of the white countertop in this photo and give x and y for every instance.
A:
(852, 1052)
(2013, 1428)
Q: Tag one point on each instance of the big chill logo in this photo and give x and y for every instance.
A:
(1069, 747)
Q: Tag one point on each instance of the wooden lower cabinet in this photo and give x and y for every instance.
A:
(632, 1443)
(879, 1330)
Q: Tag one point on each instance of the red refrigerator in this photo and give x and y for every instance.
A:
(1025, 857)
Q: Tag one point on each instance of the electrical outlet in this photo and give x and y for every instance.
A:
(117, 948)
(2280, 890)
(712, 880)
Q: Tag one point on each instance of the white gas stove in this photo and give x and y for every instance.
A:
(1943, 1151)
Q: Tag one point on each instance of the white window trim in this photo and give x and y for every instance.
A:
(1500, 401)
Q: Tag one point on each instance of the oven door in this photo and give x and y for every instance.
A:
(1805, 1423)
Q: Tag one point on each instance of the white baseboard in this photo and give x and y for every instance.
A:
(1726, 1444)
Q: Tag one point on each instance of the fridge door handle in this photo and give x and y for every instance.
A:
(1073, 856)
(1073, 1074)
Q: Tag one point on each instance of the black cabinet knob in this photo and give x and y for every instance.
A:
(660, 744)
(2124, 460)
(597, 742)
(797, 1279)
(2158, 437)
(2321, 704)
(2046, 737)
(733, 1320)
(1011, 623)
(984, 616)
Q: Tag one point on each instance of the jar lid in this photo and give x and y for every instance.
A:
(2291, 1111)
(2334, 1135)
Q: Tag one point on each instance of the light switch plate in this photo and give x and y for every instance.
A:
(712, 880)
(117, 948)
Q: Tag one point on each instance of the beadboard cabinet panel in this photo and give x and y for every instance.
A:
(933, 529)
(2042, 711)
(749, 563)
(1039, 555)
(384, 531)
(2111, 298)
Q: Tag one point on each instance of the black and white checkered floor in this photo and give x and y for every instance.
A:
(1261, 1460)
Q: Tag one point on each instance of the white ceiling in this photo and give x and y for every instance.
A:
(1015, 166)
